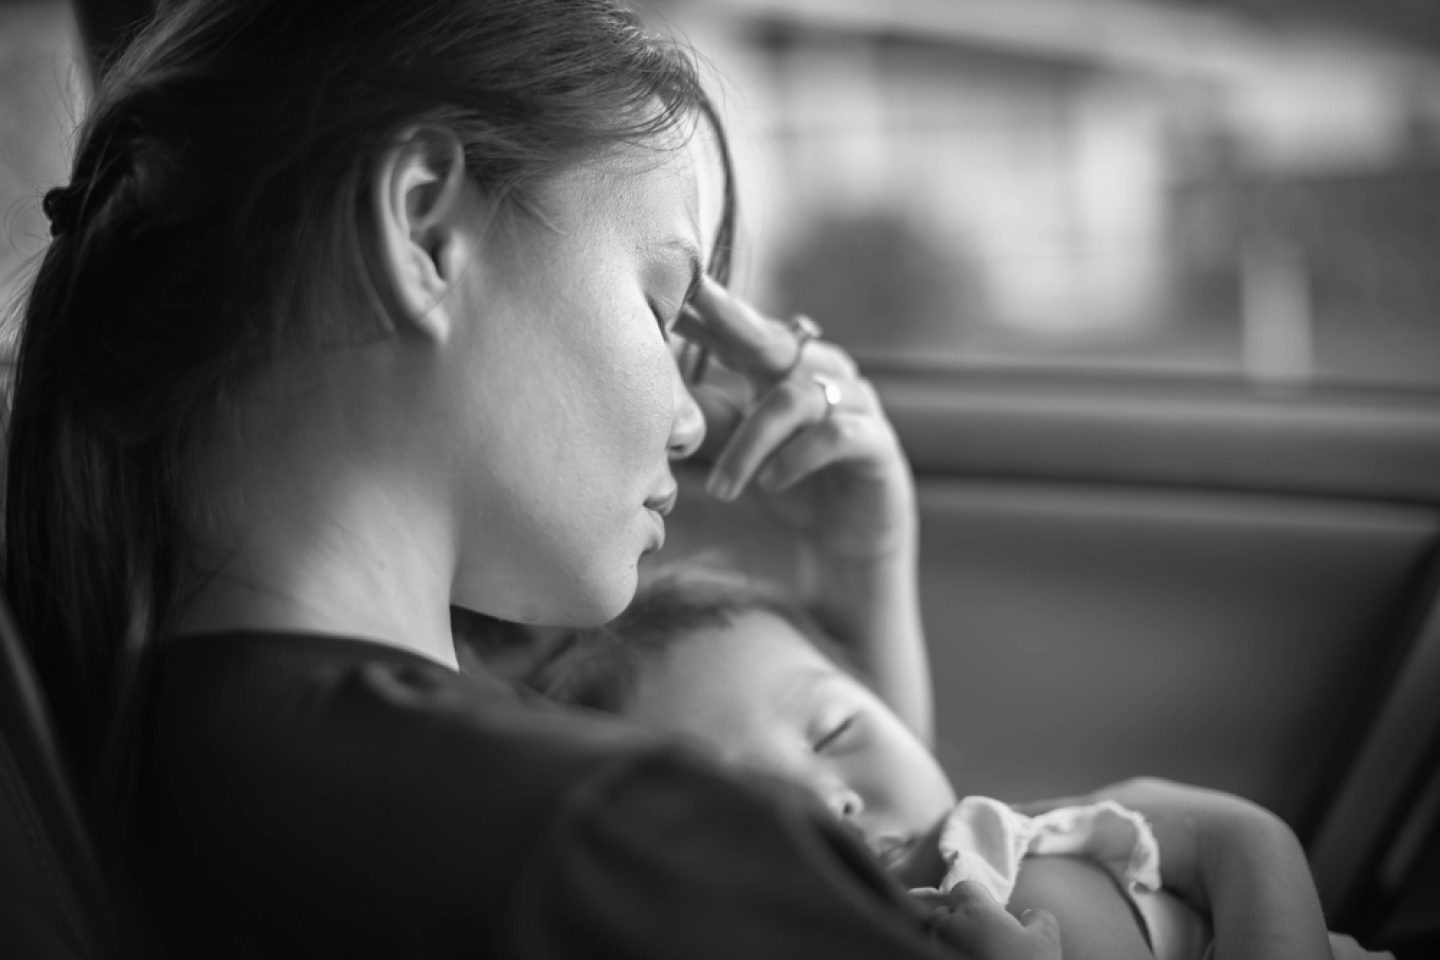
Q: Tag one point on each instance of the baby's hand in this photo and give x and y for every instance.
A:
(969, 918)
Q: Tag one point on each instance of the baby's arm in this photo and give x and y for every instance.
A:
(1232, 860)
(1096, 921)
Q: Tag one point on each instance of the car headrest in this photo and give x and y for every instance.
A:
(53, 901)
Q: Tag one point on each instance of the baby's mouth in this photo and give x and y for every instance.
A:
(914, 860)
(892, 852)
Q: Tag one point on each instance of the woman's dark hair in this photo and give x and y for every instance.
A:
(601, 667)
(214, 218)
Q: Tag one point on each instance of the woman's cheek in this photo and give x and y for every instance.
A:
(649, 411)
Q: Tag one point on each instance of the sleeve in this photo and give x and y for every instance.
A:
(667, 858)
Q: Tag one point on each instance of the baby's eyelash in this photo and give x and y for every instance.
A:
(834, 734)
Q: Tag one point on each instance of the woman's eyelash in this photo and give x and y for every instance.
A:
(833, 735)
(660, 320)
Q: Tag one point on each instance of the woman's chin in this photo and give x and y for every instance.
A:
(598, 600)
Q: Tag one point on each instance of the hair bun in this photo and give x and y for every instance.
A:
(61, 207)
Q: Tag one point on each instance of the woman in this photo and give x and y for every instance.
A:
(355, 311)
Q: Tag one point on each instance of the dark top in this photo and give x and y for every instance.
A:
(313, 796)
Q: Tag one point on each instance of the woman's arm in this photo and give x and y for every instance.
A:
(816, 449)
(873, 608)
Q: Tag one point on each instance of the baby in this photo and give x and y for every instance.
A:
(753, 678)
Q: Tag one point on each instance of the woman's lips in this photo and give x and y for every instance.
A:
(662, 503)
(660, 506)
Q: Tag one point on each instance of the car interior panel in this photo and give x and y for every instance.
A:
(53, 899)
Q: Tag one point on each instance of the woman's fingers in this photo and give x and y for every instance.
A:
(751, 343)
(979, 926)
(830, 419)
(782, 412)
(812, 449)
(743, 338)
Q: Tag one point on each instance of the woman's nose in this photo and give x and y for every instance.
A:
(687, 426)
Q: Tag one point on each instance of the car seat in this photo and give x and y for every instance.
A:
(53, 899)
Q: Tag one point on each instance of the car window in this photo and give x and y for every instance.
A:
(1181, 189)
(41, 97)
(1178, 189)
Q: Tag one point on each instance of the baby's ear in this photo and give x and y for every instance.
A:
(422, 210)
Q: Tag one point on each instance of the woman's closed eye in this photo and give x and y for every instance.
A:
(658, 312)
(667, 312)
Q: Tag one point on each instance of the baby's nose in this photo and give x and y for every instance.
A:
(845, 804)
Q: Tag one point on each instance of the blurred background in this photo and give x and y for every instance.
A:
(1237, 189)
(1241, 189)
(42, 96)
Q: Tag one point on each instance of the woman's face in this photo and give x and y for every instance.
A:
(572, 401)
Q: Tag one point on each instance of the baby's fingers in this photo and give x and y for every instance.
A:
(979, 926)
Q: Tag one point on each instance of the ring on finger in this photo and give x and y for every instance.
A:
(830, 390)
(804, 330)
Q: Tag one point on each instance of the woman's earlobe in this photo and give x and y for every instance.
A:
(420, 215)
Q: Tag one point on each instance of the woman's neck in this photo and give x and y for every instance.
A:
(314, 521)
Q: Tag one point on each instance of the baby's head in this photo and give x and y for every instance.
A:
(752, 677)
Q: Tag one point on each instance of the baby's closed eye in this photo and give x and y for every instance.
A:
(835, 734)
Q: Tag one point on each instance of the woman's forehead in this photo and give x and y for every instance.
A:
(649, 193)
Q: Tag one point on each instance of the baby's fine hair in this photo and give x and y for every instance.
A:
(601, 667)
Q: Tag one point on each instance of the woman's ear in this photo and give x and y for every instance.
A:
(420, 206)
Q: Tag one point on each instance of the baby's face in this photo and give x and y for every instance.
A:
(760, 694)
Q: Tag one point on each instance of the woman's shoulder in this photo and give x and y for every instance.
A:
(333, 710)
(302, 783)
(280, 770)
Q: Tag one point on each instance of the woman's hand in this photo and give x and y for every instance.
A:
(969, 918)
(813, 446)
(807, 437)
(1230, 859)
